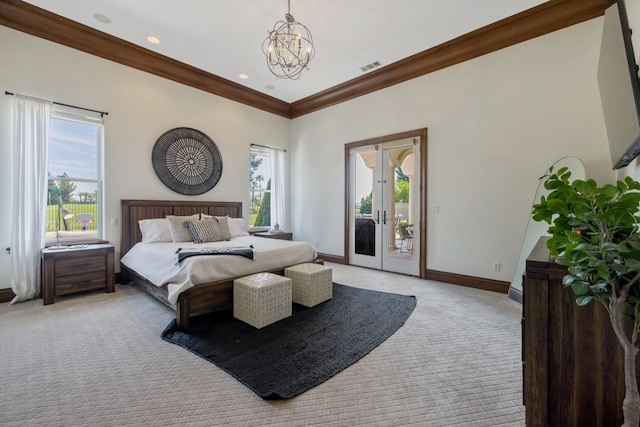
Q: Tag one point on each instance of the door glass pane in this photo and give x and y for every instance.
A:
(401, 174)
(365, 210)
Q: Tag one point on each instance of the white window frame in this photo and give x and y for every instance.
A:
(94, 119)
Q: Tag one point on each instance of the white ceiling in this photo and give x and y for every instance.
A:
(224, 37)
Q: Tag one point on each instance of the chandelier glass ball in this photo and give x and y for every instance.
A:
(288, 48)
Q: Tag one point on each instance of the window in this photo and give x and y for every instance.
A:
(260, 188)
(74, 196)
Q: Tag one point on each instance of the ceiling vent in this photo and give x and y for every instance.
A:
(371, 66)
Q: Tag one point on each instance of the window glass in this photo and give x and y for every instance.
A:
(74, 197)
(260, 188)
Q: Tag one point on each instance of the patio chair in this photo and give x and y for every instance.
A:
(84, 219)
(406, 236)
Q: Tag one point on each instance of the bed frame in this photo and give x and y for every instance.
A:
(198, 299)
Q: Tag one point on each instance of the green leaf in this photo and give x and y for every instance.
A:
(558, 206)
(584, 187)
(580, 288)
(633, 185)
(584, 300)
(609, 191)
(631, 199)
(601, 284)
(622, 187)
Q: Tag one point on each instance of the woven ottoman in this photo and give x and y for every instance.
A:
(312, 283)
(261, 299)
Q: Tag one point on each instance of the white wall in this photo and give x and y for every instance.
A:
(141, 107)
(495, 124)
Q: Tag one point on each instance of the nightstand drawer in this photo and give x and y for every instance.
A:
(71, 266)
(80, 282)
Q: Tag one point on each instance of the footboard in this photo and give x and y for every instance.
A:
(200, 299)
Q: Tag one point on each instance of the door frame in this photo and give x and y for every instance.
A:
(421, 136)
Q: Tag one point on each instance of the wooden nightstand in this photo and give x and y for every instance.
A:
(66, 271)
(281, 236)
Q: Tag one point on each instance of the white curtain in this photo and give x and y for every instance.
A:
(278, 193)
(30, 130)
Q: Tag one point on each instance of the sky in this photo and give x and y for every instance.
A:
(74, 149)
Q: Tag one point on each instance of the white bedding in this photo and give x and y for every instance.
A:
(157, 262)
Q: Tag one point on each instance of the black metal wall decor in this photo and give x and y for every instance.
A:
(187, 161)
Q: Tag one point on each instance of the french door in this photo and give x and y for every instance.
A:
(384, 205)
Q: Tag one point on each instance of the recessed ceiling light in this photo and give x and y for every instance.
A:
(243, 76)
(153, 39)
(270, 87)
(101, 18)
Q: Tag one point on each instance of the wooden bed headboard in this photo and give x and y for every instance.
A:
(135, 210)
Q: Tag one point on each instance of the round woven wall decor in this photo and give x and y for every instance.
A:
(187, 161)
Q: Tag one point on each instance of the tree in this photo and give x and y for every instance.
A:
(365, 204)
(53, 192)
(400, 176)
(83, 196)
(402, 191)
(254, 163)
(66, 189)
(595, 233)
(264, 213)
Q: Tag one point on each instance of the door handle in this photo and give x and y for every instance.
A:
(384, 218)
(378, 217)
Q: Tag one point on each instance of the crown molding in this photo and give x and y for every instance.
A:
(38, 22)
(540, 20)
(550, 16)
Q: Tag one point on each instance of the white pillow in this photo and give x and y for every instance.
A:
(155, 230)
(238, 227)
(179, 228)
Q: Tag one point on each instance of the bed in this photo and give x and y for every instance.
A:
(197, 293)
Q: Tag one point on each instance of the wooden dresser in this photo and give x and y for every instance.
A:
(66, 271)
(572, 361)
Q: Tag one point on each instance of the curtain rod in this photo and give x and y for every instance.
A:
(270, 148)
(102, 113)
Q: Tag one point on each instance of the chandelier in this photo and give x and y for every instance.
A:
(288, 48)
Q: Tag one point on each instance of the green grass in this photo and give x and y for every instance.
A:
(75, 208)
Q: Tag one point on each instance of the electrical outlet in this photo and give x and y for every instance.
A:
(317, 244)
(496, 266)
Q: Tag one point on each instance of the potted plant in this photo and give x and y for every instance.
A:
(594, 232)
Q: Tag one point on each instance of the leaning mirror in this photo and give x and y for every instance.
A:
(534, 229)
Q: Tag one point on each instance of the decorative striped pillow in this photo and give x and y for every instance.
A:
(178, 227)
(206, 230)
(223, 224)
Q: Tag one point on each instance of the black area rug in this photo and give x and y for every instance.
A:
(295, 354)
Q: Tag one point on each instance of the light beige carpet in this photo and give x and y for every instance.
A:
(98, 359)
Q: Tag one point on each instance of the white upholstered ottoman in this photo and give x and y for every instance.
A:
(311, 283)
(261, 299)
